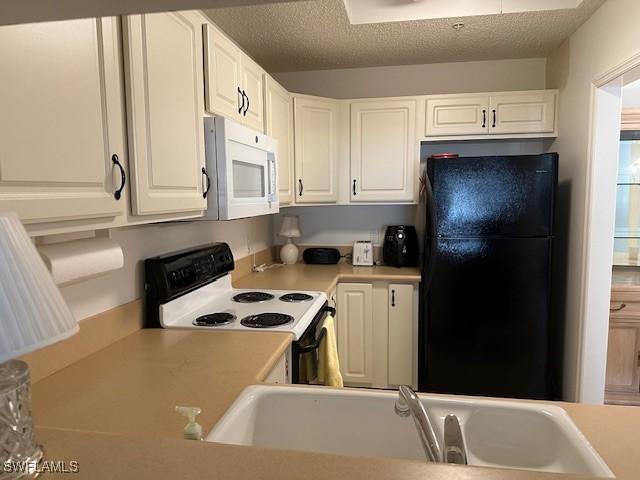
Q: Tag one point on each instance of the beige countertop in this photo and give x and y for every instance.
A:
(109, 457)
(113, 411)
(323, 278)
(132, 386)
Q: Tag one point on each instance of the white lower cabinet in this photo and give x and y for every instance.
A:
(355, 333)
(377, 333)
(163, 60)
(61, 120)
(401, 354)
(280, 374)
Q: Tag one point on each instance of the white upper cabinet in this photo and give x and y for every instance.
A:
(252, 76)
(278, 116)
(222, 74)
(505, 114)
(385, 152)
(163, 60)
(457, 115)
(523, 112)
(234, 84)
(316, 149)
(61, 120)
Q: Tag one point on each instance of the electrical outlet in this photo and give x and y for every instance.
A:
(374, 236)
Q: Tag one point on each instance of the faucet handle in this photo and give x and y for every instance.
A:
(454, 449)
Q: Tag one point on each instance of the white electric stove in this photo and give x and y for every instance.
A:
(219, 306)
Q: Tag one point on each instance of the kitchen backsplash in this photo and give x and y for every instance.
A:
(344, 224)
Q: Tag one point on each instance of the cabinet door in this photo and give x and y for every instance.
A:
(278, 114)
(384, 151)
(468, 115)
(166, 107)
(533, 112)
(222, 74)
(623, 357)
(401, 362)
(316, 149)
(61, 120)
(252, 78)
(355, 333)
(280, 374)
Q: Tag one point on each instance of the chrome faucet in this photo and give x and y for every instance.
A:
(407, 404)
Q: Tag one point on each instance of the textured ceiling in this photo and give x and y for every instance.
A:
(316, 35)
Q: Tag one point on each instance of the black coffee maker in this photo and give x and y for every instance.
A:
(401, 246)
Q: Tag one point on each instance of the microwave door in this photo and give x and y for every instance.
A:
(249, 181)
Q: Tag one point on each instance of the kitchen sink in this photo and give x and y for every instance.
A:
(497, 433)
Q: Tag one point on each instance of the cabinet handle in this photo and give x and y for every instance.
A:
(484, 118)
(354, 187)
(123, 176)
(240, 100)
(301, 187)
(246, 108)
(638, 360)
(617, 309)
(206, 191)
(494, 118)
(393, 298)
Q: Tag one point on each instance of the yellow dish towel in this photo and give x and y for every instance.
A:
(328, 363)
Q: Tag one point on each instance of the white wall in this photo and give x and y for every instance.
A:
(608, 38)
(460, 77)
(344, 224)
(125, 285)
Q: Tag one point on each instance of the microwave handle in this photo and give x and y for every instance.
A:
(272, 180)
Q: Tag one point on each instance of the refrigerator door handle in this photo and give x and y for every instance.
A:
(432, 228)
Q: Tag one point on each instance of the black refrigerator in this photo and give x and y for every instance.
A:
(485, 320)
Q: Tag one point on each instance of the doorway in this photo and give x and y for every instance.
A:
(622, 379)
(600, 232)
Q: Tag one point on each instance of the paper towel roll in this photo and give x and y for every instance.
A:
(77, 260)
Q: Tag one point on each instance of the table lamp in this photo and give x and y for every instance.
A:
(33, 314)
(290, 229)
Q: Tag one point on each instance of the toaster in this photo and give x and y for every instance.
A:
(362, 253)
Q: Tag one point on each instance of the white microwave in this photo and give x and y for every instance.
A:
(242, 169)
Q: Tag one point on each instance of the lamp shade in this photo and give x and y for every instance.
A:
(290, 227)
(33, 313)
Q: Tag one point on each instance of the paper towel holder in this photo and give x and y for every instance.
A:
(75, 257)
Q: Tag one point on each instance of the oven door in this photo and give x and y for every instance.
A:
(247, 171)
(304, 352)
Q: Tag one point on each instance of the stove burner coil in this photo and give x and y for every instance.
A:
(266, 320)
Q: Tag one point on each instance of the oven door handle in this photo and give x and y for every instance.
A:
(315, 345)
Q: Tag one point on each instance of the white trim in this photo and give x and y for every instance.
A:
(587, 300)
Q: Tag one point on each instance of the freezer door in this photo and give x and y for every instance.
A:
(501, 196)
(485, 323)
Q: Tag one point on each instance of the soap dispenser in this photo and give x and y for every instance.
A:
(192, 430)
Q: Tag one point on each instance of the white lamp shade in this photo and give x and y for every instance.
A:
(290, 227)
(33, 313)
